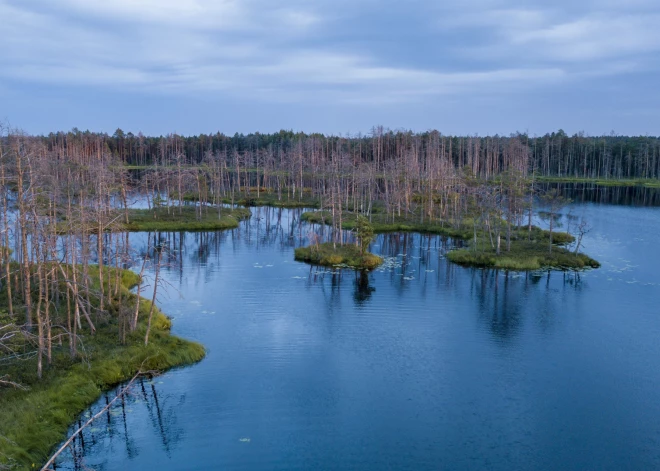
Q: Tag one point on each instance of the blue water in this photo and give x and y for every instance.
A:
(421, 365)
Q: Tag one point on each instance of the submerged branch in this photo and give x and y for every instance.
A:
(121, 393)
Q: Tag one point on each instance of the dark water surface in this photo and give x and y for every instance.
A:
(619, 195)
(421, 365)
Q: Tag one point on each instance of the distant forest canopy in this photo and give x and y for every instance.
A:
(553, 155)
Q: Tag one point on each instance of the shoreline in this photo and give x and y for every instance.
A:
(337, 255)
(33, 422)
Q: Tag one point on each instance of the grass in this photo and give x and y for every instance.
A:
(185, 218)
(380, 224)
(266, 197)
(271, 199)
(525, 254)
(346, 255)
(645, 182)
(33, 422)
(529, 251)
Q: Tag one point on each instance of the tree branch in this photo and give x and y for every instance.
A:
(121, 393)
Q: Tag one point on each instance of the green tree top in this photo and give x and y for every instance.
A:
(364, 232)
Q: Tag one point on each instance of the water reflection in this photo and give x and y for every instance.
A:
(363, 289)
(618, 195)
(411, 260)
(114, 432)
(419, 364)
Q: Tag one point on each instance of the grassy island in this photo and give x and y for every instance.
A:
(35, 419)
(186, 218)
(529, 250)
(381, 223)
(524, 255)
(265, 197)
(329, 254)
(270, 198)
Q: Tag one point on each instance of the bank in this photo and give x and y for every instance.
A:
(34, 421)
(629, 182)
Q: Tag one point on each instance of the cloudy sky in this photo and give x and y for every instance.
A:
(333, 66)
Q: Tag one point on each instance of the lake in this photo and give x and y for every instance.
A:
(419, 365)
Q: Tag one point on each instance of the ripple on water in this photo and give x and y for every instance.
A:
(419, 364)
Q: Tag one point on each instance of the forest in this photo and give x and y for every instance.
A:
(554, 154)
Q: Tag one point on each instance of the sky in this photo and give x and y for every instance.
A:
(331, 66)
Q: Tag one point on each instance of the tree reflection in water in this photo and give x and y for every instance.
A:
(363, 290)
(119, 424)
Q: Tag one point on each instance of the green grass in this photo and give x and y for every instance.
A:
(524, 255)
(529, 251)
(645, 182)
(380, 224)
(33, 422)
(185, 218)
(347, 255)
(271, 199)
(266, 197)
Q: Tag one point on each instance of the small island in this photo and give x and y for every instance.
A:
(329, 254)
(490, 242)
(184, 218)
(341, 254)
(157, 219)
(524, 254)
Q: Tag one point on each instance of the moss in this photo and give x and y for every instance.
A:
(185, 219)
(271, 199)
(524, 255)
(381, 223)
(33, 422)
(265, 197)
(340, 255)
(645, 182)
(529, 249)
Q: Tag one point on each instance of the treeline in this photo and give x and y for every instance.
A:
(556, 154)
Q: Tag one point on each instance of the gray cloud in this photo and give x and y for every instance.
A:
(196, 46)
(361, 52)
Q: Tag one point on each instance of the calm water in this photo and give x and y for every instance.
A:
(419, 365)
